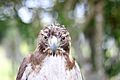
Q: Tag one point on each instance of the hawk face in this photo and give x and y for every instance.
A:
(54, 38)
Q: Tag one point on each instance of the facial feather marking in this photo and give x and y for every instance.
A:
(55, 30)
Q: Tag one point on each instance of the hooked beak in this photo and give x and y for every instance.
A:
(53, 43)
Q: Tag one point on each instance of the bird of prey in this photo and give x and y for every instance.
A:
(51, 59)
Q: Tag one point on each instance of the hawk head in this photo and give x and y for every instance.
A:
(54, 37)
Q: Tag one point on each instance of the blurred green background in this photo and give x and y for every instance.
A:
(94, 26)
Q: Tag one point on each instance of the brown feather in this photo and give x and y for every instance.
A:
(37, 58)
(34, 59)
(22, 67)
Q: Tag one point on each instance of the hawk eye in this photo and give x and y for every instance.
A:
(45, 37)
(63, 38)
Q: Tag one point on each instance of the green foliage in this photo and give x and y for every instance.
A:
(3, 27)
(113, 69)
(112, 28)
(29, 32)
(111, 15)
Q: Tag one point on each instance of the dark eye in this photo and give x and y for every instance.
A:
(45, 37)
(63, 38)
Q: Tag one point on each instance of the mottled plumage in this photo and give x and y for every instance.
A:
(51, 60)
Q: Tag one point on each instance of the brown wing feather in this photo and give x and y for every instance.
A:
(78, 74)
(22, 67)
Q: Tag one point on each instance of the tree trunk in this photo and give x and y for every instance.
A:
(98, 39)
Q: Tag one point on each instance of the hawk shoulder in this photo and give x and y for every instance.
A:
(23, 66)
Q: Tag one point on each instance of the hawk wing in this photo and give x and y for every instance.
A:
(76, 73)
(73, 71)
(23, 67)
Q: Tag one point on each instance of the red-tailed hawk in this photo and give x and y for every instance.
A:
(51, 60)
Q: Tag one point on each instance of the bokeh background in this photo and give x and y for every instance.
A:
(94, 26)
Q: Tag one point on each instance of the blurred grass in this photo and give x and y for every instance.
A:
(5, 66)
(24, 48)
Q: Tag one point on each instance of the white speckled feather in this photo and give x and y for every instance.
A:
(52, 68)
